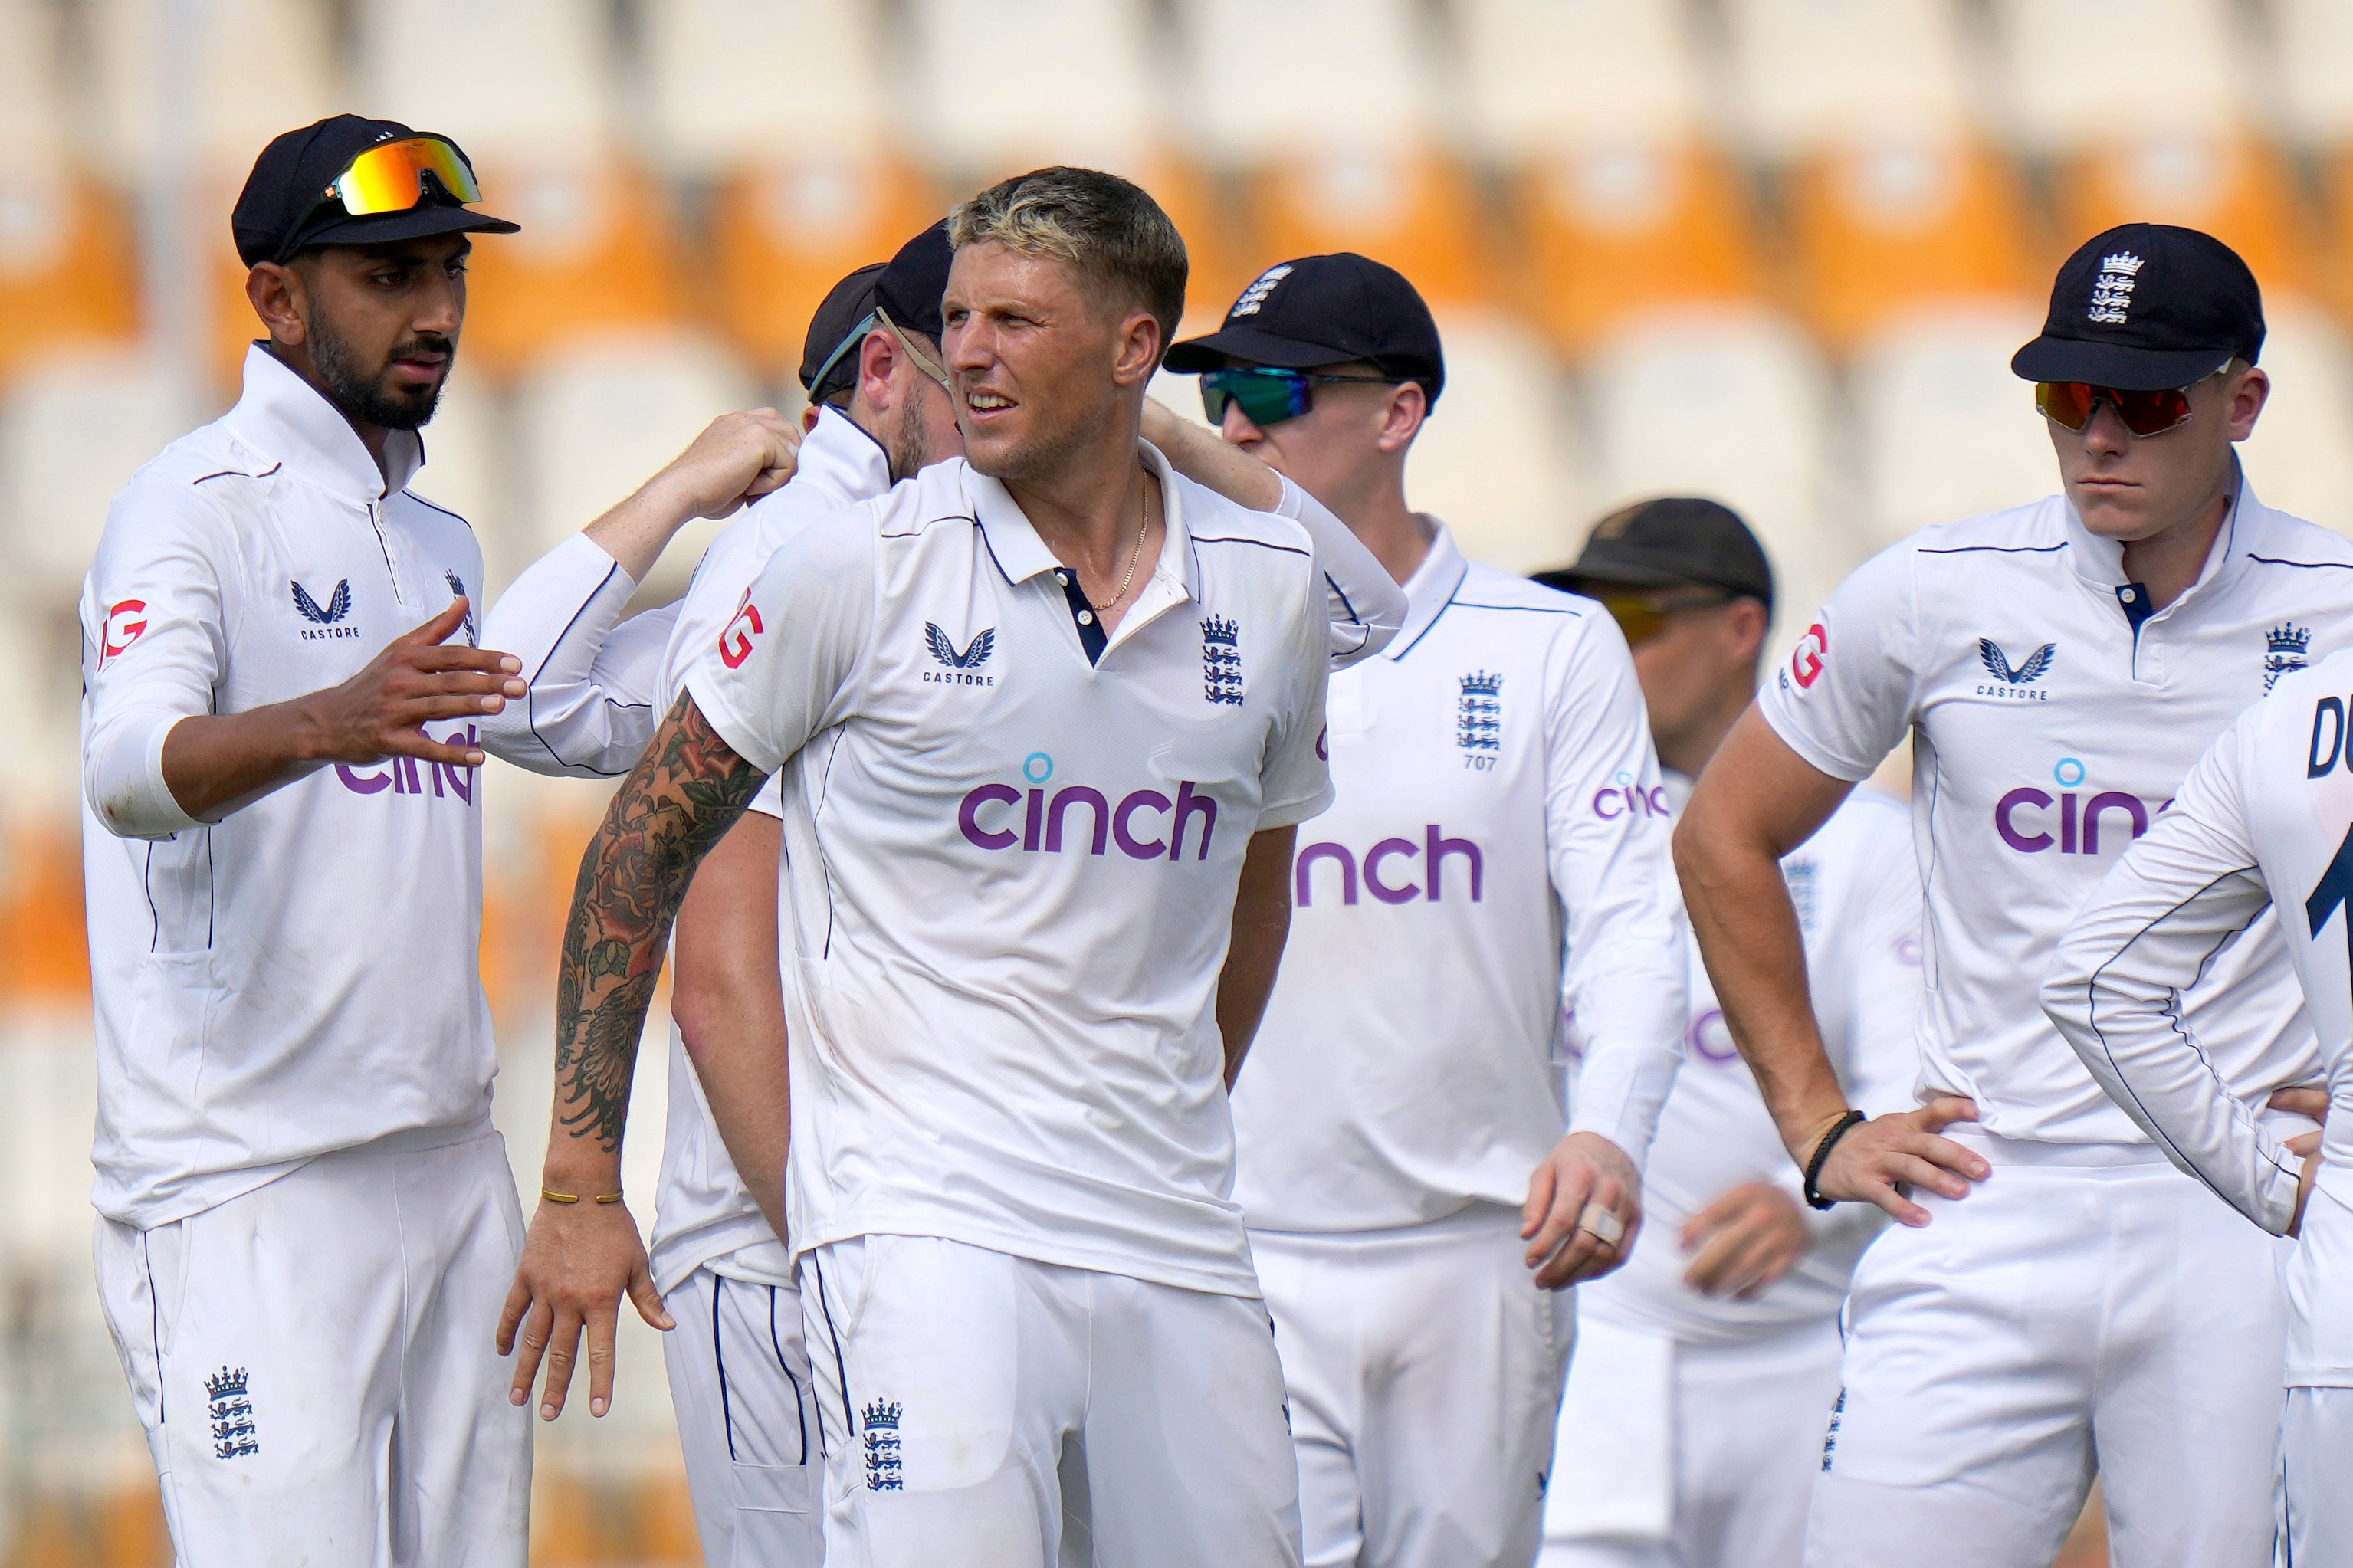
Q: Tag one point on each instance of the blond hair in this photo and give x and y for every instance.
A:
(1108, 229)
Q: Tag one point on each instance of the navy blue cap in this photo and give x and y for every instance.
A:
(286, 207)
(1324, 310)
(2146, 306)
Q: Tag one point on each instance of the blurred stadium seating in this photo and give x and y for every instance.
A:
(1775, 250)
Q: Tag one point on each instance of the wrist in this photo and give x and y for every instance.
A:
(306, 733)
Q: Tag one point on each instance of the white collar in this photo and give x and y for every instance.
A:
(1021, 554)
(290, 421)
(841, 456)
(2100, 561)
(1430, 588)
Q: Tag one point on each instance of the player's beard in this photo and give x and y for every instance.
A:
(909, 450)
(1045, 454)
(363, 396)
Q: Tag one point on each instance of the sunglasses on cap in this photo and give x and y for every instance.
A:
(1643, 616)
(2069, 405)
(389, 177)
(1269, 395)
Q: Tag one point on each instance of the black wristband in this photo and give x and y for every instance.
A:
(1814, 1198)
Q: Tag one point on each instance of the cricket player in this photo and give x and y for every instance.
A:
(2057, 1296)
(2264, 818)
(1417, 1192)
(880, 411)
(1693, 1424)
(305, 1217)
(1027, 1292)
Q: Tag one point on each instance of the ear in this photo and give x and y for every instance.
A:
(878, 361)
(2247, 400)
(1140, 341)
(1409, 406)
(1745, 623)
(281, 298)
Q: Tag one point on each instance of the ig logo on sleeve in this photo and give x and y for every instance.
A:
(1806, 660)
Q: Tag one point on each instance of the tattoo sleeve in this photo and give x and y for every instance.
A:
(683, 796)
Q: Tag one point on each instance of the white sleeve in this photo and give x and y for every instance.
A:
(1844, 698)
(1623, 975)
(1363, 601)
(154, 616)
(784, 667)
(592, 705)
(1295, 779)
(2179, 894)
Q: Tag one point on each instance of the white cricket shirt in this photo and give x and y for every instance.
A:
(2052, 725)
(2266, 815)
(1857, 893)
(1498, 849)
(303, 975)
(1010, 867)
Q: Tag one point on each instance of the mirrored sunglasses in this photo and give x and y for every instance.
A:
(1269, 395)
(2069, 405)
(1643, 616)
(390, 177)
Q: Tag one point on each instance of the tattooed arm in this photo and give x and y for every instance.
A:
(582, 1257)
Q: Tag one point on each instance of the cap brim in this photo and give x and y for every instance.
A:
(2115, 364)
(417, 223)
(1196, 355)
(1624, 574)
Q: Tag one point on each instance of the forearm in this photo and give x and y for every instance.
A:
(728, 997)
(636, 532)
(684, 795)
(1204, 457)
(216, 764)
(1261, 924)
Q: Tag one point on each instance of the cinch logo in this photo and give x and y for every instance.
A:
(1806, 661)
(2014, 679)
(1433, 852)
(1612, 802)
(736, 640)
(406, 775)
(1045, 821)
(123, 624)
(339, 605)
(2078, 825)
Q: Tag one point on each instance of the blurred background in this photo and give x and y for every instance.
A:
(1777, 251)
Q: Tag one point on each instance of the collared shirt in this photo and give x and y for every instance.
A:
(303, 975)
(2054, 720)
(1857, 895)
(1012, 845)
(2266, 815)
(1497, 851)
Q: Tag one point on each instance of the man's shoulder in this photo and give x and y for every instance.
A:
(1487, 587)
(2037, 528)
(2288, 544)
(198, 486)
(1211, 519)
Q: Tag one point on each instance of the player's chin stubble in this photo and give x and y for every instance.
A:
(362, 394)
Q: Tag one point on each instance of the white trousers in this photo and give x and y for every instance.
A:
(2316, 1478)
(1740, 1442)
(986, 1410)
(1424, 1371)
(746, 1422)
(2087, 1306)
(315, 1367)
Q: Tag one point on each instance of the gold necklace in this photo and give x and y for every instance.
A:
(1136, 555)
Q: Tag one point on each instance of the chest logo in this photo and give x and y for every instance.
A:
(2014, 677)
(325, 622)
(1478, 712)
(1221, 660)
(2288, 647)
(959, 669)
(228, 1405)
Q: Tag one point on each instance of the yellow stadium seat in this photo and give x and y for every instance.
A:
(784, 234)
(66, 272)
(596, 251)
(1881, 231)
(1614, 232)
(2239, 190)
(1417, 211)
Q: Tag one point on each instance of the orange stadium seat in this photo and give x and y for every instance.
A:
(2314, 69)
(1085, 70)
(2077, 75)
(1881, 230)
(2239, 190)
(738, 84)
(1613, 232)
(596, 251)
(67, 274)
(1417, 211)
(783, 234)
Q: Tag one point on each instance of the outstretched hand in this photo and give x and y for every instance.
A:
(1869, 1161)
(420, 678)
(578, 1261)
